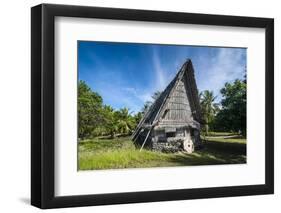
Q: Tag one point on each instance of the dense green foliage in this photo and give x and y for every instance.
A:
(96, 119)
(89, 110)
(232, 116)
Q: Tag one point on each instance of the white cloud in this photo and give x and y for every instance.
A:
(141, 95)
(145, 97)
(130, 90)
(160, 78)
(119, 97)
(225, 66)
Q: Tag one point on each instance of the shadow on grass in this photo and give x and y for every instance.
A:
(214, 153)
(226, 147)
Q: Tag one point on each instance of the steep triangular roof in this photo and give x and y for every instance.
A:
(153, 113)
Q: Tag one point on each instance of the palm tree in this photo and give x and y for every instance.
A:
(148, 104)
(145, 107)
(126, 122)
(110, 121)
(208, 107)
(156, 95)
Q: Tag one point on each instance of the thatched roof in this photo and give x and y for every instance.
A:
(152, 114)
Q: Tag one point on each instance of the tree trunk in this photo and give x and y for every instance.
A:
(207, 129)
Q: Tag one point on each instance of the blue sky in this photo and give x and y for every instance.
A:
(127, 74)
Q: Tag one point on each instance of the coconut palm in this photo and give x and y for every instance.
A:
(208, 107)
(148, 104)
(110, 121)
(126, 122)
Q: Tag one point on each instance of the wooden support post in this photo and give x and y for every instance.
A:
(145, 139)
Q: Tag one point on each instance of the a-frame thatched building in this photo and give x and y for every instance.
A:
(172, 123)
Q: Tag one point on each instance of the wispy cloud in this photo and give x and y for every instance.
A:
(142, 95)
(160, 77)
(118, 97)
(226, 65)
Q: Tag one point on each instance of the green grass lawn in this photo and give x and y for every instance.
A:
(238, 139)
(221, 134)
(121, 153)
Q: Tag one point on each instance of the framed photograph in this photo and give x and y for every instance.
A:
(139, 106)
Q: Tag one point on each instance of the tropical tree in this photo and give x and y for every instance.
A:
(232, 116)
(126, 122)
(138, 117)
(89, 110)
(208, 108)
(145, 107)
(148, 104)
(156, 95)
(110, 121)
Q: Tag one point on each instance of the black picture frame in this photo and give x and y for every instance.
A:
(43, 102)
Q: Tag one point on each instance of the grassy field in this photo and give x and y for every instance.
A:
(221, 134)
(121, 153)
